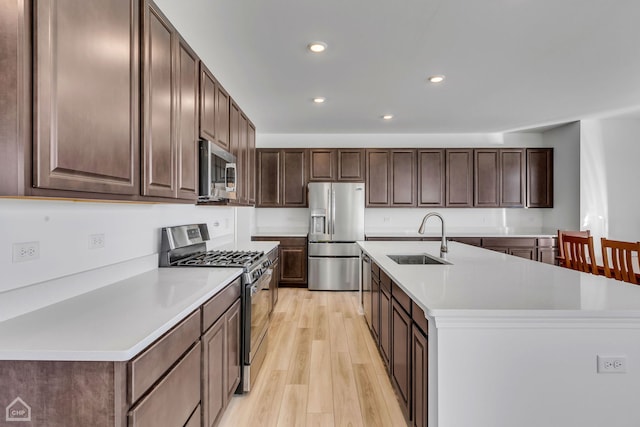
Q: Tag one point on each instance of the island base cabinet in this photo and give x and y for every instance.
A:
(401, 357)
(419, 387)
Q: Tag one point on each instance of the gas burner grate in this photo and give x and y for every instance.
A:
(223, 259)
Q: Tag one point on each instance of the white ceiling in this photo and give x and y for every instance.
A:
(510, 64)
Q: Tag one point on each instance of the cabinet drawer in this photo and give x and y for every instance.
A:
(547, 242)
(151, 364)
(216, 306)
(419, 318)
(509, 242)
(385, 281)
(401, 297)
(174, 399)
(473, 241)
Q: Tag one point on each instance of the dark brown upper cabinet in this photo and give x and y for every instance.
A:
(486, 178)
(214, 109)
(237, 147)
(323, 164)
(251, 163)
(336, 164)
(377, 187)
(391, 177)
(282, 177)
(540, 177)
(499, 177)
(268, 177)
(459, 177)
(351, 164)
(170, 109)
(431, 178)
(207, 104)
(403, 178)
(85, 112)
(512, 177)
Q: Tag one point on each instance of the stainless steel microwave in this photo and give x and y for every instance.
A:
(218, 177)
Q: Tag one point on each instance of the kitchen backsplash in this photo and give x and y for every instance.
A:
(64, 231)
(408, 220)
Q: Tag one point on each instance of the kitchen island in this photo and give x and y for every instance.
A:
(513, 342)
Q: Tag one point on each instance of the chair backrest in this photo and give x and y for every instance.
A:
(561, 234)
(618, 259)
(578, 254)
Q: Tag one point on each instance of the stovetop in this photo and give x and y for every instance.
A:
(243, 259)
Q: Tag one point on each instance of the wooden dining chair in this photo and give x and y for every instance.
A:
(561, 234)
(618, 259)
(579, 254)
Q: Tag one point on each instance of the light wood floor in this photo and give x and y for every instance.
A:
(322, 369)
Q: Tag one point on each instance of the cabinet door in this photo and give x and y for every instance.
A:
(403, 178)
(548, 255)
(512, 177)
(293, 264)
(251, 163)
(420, 371)
(294, 178)
(486, 186)
(401, 354)
(187, 122)
(207, 104)
(86, 109)
(528, 253)
(385, 325)
(459, 173)
(375, 308)
(214, 380)
(235, 135)
(158, 129)
(431, 178)
(351, 165)
(540, 177)
(233, 354)
(322, 164)
(223, 102)
(243, 161)
(273, 286)
(268, 179)
(377, 186)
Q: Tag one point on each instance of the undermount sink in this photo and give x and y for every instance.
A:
(419, 259)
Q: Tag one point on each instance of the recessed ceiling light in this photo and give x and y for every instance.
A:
(317, 47)
(319, 100)
(436, 79)
(387, 117)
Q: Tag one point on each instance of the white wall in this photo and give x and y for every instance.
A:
(62, 228)
(565, 141)
(609, 177)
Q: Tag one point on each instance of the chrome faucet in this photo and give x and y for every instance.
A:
(443, 245)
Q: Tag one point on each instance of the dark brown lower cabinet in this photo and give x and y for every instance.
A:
(401, 355)
(292, 254)
(420, 376)
(385, 323)
(375, 303)
(221, 364)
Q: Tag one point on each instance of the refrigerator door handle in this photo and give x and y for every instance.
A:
(329, 212)
(333, 212)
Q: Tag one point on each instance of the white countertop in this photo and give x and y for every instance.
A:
(292, 233)
(115, 322)
(475, 232)
(485, 283)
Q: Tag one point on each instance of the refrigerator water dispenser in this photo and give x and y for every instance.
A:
(318, 221)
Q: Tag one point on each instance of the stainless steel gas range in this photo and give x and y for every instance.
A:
(185, 246)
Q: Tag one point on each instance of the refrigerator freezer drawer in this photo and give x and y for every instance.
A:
(334, 274)
(334, 249)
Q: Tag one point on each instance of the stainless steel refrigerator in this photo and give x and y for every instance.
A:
(336, 222)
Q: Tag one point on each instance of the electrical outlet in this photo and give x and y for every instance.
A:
(612, 365)
(96, 241)
(27, 251)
